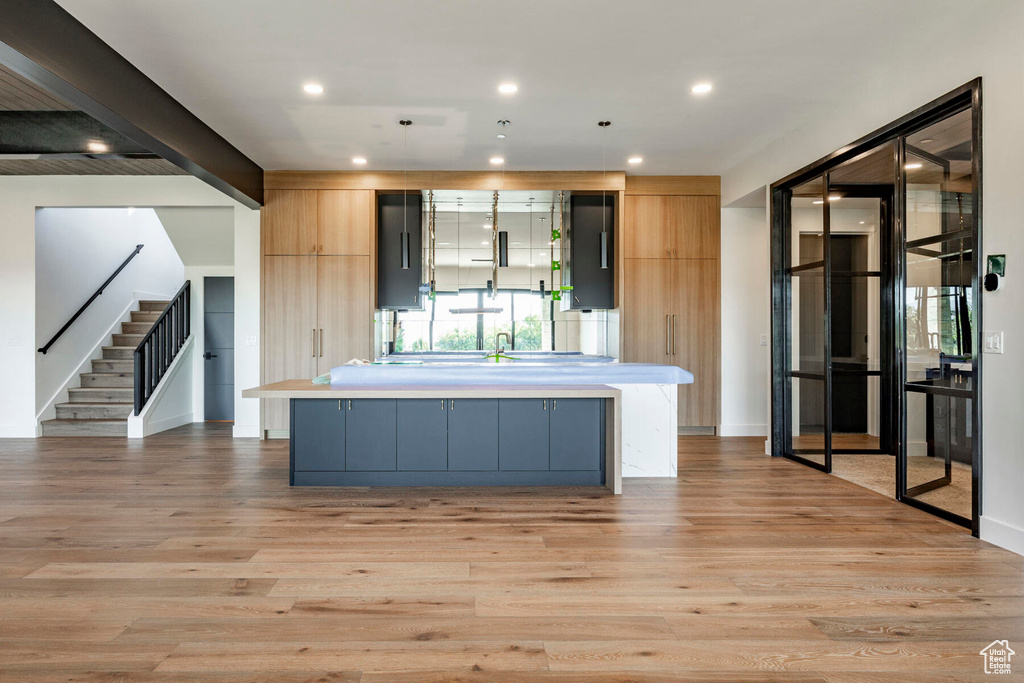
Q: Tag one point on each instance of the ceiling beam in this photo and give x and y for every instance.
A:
(43, 43)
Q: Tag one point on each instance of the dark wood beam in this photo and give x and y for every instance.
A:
(46, 45)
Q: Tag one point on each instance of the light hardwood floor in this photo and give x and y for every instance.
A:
(187, 557)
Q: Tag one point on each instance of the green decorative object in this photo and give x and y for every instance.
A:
(556, 295)
(556, 265)
(566, 288)
(556, 234)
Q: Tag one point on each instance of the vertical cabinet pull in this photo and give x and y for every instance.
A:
(554, 404)
(312, 345)
(350, 404)
(673, 334)
(339, 404)
(545, 404)
(322, 342)
(668, 337)
(442, 404)
(452, 406)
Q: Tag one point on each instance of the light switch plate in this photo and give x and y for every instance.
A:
(15, 340)
(764, 340)
(993, 342)
(251, 340)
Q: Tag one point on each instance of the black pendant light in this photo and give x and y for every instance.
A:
(604, 200)
(406, 254)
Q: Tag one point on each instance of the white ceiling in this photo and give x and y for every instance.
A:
(239, 65)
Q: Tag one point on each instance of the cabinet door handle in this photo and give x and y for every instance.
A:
(545, 404)
(452, 406)
(442, 404)
(668, 337)
(312, 344)
(321, 342)
(554, 404)
(673, 334)
(339, 404)
(350, 404)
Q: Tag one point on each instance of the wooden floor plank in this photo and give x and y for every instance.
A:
(187, 557)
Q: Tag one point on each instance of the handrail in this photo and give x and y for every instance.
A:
(157, 350)
(81, 310)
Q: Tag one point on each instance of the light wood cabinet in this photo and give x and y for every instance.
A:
(672, 226)
(290, 327)
(289, 222)
(344, 222)
(344, 316)
(672, 317)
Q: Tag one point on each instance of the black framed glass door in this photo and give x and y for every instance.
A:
(876, 309)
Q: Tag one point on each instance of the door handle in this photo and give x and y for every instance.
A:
(442, 404)
(209, 355)
(321, 342)
(452, 406)
(350, 404)
(554, 404)
(312, 347)
(668, 339)
(673, 334)
(545, 404)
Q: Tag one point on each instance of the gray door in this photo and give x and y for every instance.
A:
(370, 429)
(576, 434)
(473, 434)
(422, 434)
(523, 434)
(219, 345)
(318, 435)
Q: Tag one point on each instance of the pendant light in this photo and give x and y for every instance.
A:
(406, 255)
(604, 200)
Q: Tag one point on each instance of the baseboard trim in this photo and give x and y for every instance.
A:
(1002, 534)
(16, 432)
(695, 431)
(245, 432)
(743, 430)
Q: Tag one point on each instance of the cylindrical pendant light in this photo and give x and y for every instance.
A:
(604, 200)
(406, 255)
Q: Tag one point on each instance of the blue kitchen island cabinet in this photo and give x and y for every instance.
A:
(448, 442)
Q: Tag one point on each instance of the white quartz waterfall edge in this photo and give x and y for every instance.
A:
(649, 426)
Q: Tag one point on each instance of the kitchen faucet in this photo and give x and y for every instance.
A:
(498, 350)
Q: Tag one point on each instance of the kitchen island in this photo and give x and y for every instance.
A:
(472, 424)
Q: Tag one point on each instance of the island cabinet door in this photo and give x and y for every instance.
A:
(370, 429)
(473, 434)
(318, 435)
(576, 434)
(422, 434)
(523, 434)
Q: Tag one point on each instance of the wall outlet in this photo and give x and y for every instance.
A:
(764, 340)
(993, 342)
(251, 340)
(15, 340)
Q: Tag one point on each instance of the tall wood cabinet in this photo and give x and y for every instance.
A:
(671, 301)
(317, 286)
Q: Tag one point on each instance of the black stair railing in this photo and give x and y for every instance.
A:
(92, 298)
(157, 350)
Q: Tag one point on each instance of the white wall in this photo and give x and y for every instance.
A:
(20, 196)
(746, 369)
(76, 251)
(991, 45)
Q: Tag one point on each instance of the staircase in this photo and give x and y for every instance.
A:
(101, 406)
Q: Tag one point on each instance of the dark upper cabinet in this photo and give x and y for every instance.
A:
(318, 432)
(370, 434)
(576, 434)
(399, 288)
(593, 287)
(473, 434)
(423, 434)
(523, 434)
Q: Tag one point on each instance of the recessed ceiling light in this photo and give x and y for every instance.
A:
(818, 201)
(313, 88)
(501, 136)
(508, 88)
(485, 243)
(529, 265)
(701, 88)
(359, 160)
(635, 160)
(97, 146)
(862, 222)
(925, 141)
(834, 198)
(444, 244)
(497, 160)
(912, 165)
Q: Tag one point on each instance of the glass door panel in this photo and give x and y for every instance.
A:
(939, 304)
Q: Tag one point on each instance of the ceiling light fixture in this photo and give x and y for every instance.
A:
(501, 136)
(925, 141)
(507, 88)
(913, 165)
(313, 88)
(497, 160)
(701, 89)
(635, 160)
(359, 160)
(97, 146)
